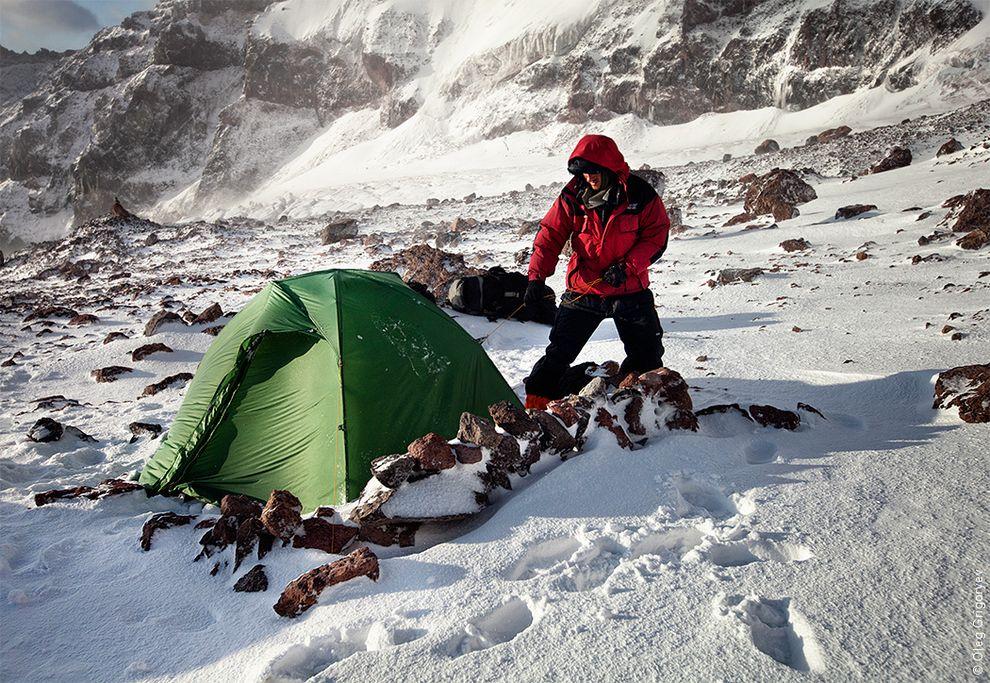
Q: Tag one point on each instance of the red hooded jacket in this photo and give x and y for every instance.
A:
(635, 232)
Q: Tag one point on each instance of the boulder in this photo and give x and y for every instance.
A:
(853, 210)
(799, 244)
(162, 520)
(320, 534)
(339, 230)
(966, 388)
(432, 452)
(303, 592)
(115, 336)
(281, 515)
(83, 319)
(727, 276)
(467, 454)
(393, 470)
(974, 212)
(605, 419)
(142, 352)
(46, 430)
(385, 535)
(777, 193)
(769, 416)
(171, 380)
(432, 267)
(951, 146)
(723, 408)
(139, 429)
(766, 147)
(663, 384)
(161, 318)
(977, 239)
(208, 315)
(514, 420)
(897, 157)
(554, 437)
(254, 581)
(236, 505)
(833, 134)
(110, 373)
(504, 449)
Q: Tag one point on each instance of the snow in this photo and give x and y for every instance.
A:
(848, 549)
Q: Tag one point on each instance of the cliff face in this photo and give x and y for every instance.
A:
(210, 97)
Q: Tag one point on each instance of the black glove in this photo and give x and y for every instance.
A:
(615, 274)
(535, 293)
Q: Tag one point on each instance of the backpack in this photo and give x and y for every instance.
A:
(497, 294)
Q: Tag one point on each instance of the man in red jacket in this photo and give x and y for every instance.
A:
(617, 226)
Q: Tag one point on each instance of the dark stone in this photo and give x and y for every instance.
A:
(303, 592)
(504, 449)
(46, 430)
(514, 420)
(432, 452)
(171, 380)
(722, 408)
(385, 535)
(966, 388)
(799, 244)
(769, 416)
(951, 146)
(853, 210)
(897, 157)
(320, 534)
(83, 319)
(254, 581)
(237, 505)
(281, 515)
(467, 454)
(110, 373)
(107, 487)
(209, 314)
(161, 318)
(162, 520)
(114, 336)
(142, 352)
(393, 470)
(554, 437)
(139, 429)
(339, 230)
(729, 275)
(766, 147)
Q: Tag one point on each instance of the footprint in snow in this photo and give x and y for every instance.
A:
(696, 497)
(500, 625)
(775, 628)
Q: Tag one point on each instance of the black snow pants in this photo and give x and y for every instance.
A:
(578, 317)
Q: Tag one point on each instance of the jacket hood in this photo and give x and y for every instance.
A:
(602, 151)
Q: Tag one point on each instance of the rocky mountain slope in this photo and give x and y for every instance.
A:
(201, 103)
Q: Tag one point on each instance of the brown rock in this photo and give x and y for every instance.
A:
(161, 318)
(281, 515)
(514, 420)
(554, 437)
(139, 429)
(46, 430)
(467, 454)
(897, 157)
(339, 230)
(766, 147)
(45, 312)
(729, 275)
(608, 421)
(303, 592)
(107, 487)
(769, 416)
(114, 336)
(722, 408)
(966, 388)
(862, 255)
(504, 448)
(432, 452)
(432, 267)
(83, 319)
(974, 211)
(393, 470)
(250, 532)
(777, 193)
(951, 146)
(744, 217)
(573, 411)
(833, 134)
(254, 581)
(975, 239)
(236, 505)
(209, 314)
(320, 534)
(852, 210)
(171, 380)
(799, 244)
(110, 373)
(162, 520)
(682, 419)
(385, 535)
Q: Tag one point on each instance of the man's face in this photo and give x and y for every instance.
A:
(594, 180)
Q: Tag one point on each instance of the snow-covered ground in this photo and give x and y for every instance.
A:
(853, 548)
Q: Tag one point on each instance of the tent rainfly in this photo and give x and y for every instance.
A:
(317, 376)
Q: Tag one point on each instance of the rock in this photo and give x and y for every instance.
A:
(514, 420)
(139, 429)
(254, 581)
(171, 380)
(723, 408)
(339, 230)
(467, 454)
(853, 210)
(554, 437)
(598, 386)
(385, 535)
(799, 244)
(663, 384)
(573, 411)
(861, 255)
(303, 592)
(214, 330)
(739, 218)
(115, 336)
(79, 434)
(977, 239)
(209, 314)
(432, 452)
(110, 373)
(833, 134)
(83, 319)
(726, 157)
(505, 450)
(107, 487)
(897, 157)
(966, 388)
(162, 520)
(951, 146)
(237, 505)
(766, 147)
(810, 409)
(729, 275)
(159, 319)
(220, 535)
(281, 515)
(142, 352)
(777, 193)
(974, 212)
(769, 416)
(45, 312)
(432, 267)
(46, 430)
(320, 534)
(367, 509)
(608, 421)
(393, 470)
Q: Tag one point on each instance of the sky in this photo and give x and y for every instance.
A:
(59, 24)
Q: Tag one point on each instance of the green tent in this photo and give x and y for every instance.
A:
(316, 377)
